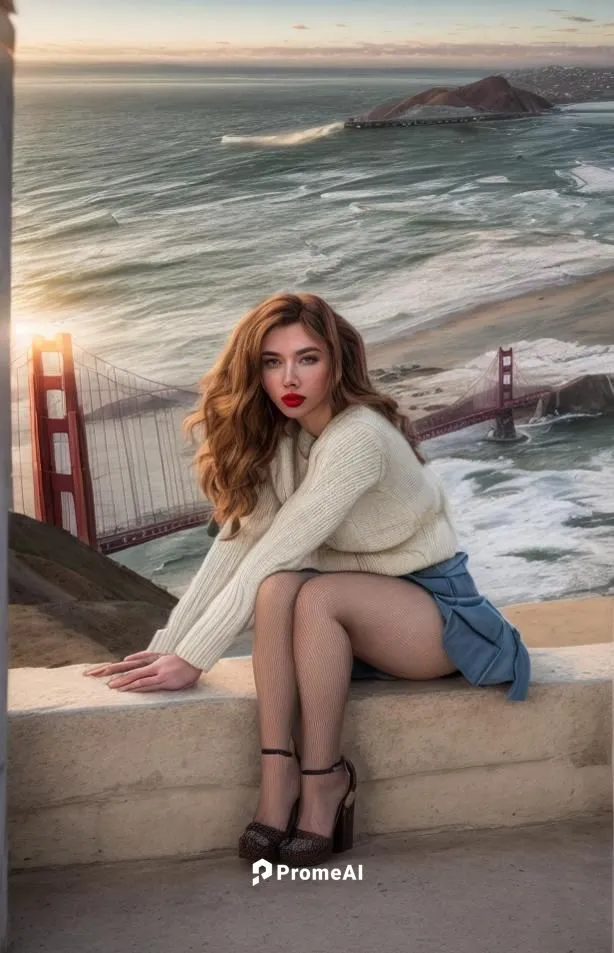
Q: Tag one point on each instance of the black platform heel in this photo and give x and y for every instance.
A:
(304, 848)
(260, 841)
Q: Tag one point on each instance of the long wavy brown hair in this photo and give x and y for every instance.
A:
(241, 425)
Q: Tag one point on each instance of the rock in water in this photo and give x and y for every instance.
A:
(591, 394)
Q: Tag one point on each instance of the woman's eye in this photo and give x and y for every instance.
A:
(272, 361)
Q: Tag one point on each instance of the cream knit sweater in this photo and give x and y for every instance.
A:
(354, 499)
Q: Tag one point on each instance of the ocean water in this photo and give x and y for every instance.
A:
(153, 207)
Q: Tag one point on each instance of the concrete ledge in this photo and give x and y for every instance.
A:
(99, 775)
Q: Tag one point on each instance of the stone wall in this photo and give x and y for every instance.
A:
(100, 775)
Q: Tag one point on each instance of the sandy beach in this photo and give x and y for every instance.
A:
(581, 312)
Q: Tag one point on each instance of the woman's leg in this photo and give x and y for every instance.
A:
(274, 676)
(389, 622)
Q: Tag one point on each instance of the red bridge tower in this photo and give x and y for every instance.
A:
(62, 483)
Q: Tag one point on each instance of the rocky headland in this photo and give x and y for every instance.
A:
(492, 94)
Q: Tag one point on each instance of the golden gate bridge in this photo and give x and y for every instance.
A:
(99, 451)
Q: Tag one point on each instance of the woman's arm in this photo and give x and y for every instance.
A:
(344, 467)
(218, 567)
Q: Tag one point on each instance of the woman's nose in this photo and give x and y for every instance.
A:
(290, 375)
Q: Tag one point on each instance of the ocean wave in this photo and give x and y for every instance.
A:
(298, 137)
(494, 529)
(488, 265)
(79, 225)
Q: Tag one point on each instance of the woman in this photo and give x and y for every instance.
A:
(336, 543)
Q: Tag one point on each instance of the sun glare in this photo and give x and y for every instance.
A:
(23, 330)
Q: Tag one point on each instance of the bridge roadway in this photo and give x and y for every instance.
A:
(436, 425)
(427, 428)
(358, 123)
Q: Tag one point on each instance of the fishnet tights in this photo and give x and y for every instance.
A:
(307, 627)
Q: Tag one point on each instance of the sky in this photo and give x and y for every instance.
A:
(442, 33)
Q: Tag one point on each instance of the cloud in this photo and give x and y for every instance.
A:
(341, 24)
(299, 26)
(555, 10)
(567, 29)
(580, 19)
(490, 55)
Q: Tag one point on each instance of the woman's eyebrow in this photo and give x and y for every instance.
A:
(302, 350)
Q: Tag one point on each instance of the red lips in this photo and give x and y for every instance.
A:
(293, 400)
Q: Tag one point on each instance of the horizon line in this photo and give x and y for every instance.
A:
(469, 63)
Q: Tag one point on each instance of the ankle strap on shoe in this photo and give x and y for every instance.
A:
(322, 770)
(288, 754)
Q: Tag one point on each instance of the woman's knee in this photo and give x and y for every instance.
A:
(315, 595)
(279, 589)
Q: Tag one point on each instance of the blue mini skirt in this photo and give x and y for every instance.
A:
(484, 646)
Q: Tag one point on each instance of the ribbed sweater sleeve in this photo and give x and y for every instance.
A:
(344, 466)
(218, 567)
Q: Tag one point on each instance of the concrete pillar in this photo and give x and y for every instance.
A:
(7, 45)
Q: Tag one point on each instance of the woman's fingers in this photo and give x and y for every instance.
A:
(154, 683)
(112, 668)
(138, 671)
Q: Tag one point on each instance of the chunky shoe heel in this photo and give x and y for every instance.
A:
(261, 841)
(343, 836)
(305, 848)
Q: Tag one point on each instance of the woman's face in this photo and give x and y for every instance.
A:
(294, 365)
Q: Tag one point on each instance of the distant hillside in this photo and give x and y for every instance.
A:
(567, 84)
(68, 603)
(491, 94)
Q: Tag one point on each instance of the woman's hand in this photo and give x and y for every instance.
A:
(148, 672)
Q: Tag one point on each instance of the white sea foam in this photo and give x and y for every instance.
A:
(590, 179)
(493, 180)
(297, 137)
(529, 510)
(467, 187)
(344, 196)
(603, 107)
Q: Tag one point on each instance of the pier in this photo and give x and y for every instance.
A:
(360, 123)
